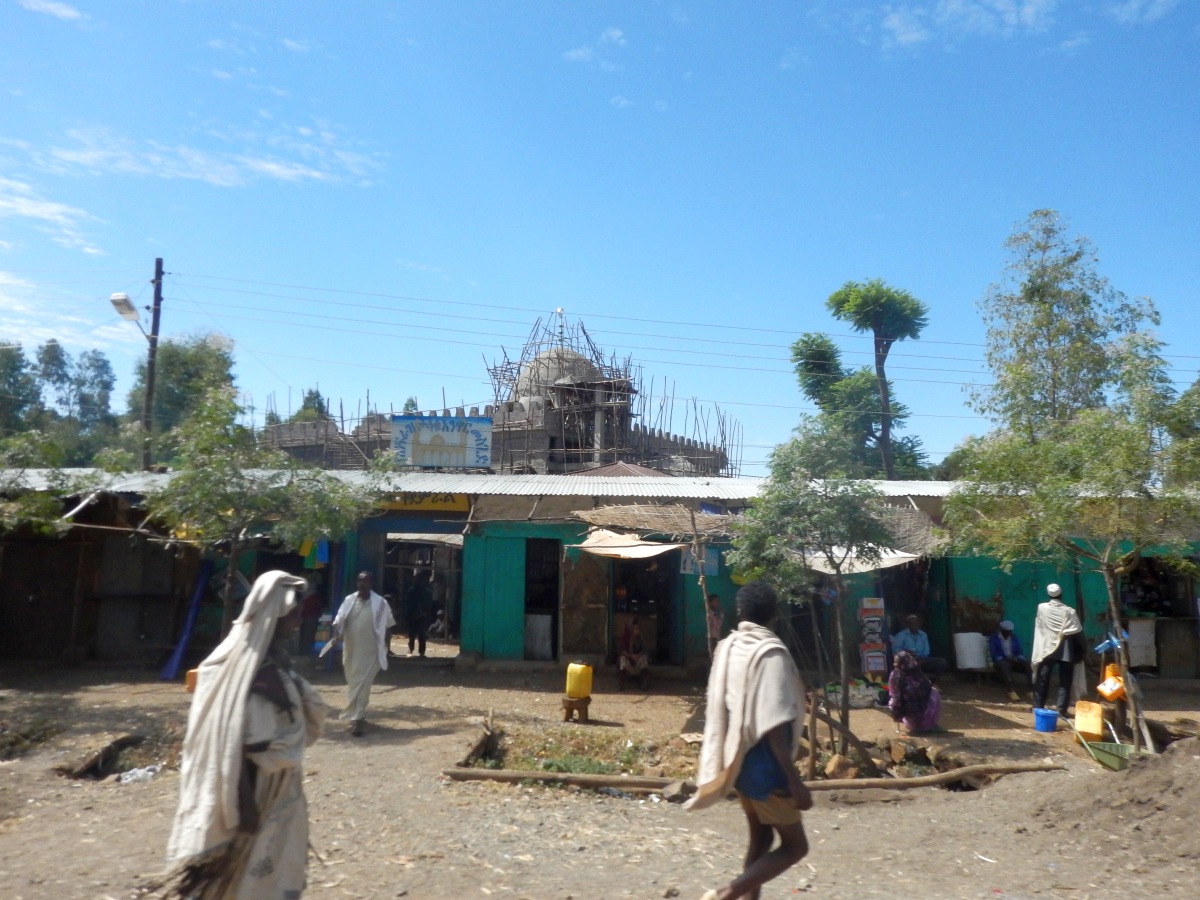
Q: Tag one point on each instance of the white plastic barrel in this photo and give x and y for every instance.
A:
(970, 650)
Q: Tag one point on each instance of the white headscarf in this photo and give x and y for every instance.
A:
(212, 749)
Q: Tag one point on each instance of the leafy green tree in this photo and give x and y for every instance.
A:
(227, 489)
(814, 510)
(410, 406)
(53, 372)
(313, 408)
(1052, 325)
(1081, 468)
(849, 399)
(19, 394)
(184, 369)
(889, 314)
(24, 503)
(92, 382)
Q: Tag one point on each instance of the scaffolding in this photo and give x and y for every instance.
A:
(562, 406)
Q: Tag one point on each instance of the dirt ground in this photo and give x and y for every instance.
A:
(386, 823)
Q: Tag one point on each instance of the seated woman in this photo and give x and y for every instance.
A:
(633, 661)
(914, 701)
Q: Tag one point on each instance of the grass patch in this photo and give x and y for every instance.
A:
(19, 740)
(586, 750)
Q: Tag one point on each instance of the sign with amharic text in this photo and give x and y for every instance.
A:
(442, 442)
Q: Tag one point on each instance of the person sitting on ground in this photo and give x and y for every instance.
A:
(1005, 649)
(916, 642)
(914, 701)
(633, 661)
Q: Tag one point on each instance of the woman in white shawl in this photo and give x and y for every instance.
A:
(1057, 643)
(241, 829)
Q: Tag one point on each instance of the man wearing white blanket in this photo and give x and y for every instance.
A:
(362, 623)
(753, 718)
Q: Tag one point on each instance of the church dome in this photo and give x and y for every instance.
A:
(558, 365)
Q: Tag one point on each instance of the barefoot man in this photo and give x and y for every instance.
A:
(752, 728)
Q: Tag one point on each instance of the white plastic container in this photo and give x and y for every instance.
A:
(970, 650)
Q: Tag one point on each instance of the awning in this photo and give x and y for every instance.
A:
(450, 540)
(852, 565)
(622, 546)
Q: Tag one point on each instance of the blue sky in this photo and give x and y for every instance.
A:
(375, 197)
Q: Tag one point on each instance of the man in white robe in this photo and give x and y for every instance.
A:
(362, 623)
(1057, 644)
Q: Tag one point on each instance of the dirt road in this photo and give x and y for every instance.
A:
(386, 824)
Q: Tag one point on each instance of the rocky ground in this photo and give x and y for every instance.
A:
(386, 823)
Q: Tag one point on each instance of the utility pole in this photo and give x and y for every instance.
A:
(151, 358)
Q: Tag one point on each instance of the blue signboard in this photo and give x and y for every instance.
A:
(442, 442)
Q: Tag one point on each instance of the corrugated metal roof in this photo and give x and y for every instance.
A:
(914, 488)
(702, 488)
(659, 487)
(576, 485)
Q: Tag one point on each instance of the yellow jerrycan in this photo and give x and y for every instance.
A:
(579, 681)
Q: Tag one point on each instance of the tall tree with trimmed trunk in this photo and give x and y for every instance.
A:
(889, 314)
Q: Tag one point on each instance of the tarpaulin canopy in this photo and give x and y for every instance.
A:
(622, 546)
(853, 565)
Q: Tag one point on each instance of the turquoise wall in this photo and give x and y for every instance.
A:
(493, 592)
(493, 602)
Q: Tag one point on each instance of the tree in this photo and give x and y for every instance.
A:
(313, 408)
(1081, 468)
(814, 510)
(19, 394)
(24, 501)
(850, 400)
(53, 371)
(184, 369)
(410, 406)
(890, 315)
(92, 382)
(228, 489)
(1051, 327)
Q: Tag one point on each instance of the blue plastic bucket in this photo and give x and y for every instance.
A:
(1045, 719)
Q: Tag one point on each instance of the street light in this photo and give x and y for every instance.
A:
(126, 310)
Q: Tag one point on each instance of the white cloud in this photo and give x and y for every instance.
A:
(265, 150)
(1074, 42)
(589, 53)
(297, 46)
(1137, 12)
(679, 15)
(221, 74)
(63, 223)
(904, 28)
(794, 58)
(914, 23)
(58, 10)
(620, 102)
(661, 105)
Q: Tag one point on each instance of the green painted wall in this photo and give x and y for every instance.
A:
(493, 601)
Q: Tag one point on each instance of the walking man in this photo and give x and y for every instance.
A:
(362, 623)
(753, 718)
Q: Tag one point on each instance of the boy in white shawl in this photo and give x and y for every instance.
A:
(241, 829)
(754, 714)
